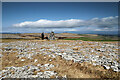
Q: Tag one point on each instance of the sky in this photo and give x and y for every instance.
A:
(34, 17)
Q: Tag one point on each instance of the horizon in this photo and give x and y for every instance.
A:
(100, 33)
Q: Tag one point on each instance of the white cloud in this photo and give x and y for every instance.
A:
(106, 29)
(70, 30)
(107, 22)
(48, 23)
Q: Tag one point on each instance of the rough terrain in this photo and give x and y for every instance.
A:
(59, 58)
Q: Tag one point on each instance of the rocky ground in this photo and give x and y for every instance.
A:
(59, 59)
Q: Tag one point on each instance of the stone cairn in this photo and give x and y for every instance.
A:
(52, 36)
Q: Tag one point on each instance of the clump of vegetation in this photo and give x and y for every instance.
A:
(95, 38)
(11, 40)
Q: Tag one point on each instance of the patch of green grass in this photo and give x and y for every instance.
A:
(96, 38)
(92, 39)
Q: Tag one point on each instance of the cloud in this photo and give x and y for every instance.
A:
(104, 29)
(43, 23)
(107, 22)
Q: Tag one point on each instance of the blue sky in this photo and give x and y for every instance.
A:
(62, 16)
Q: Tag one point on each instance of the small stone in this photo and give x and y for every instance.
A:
(115, 68)
(22, 59)
(106, 67)
(35, 60)
(75, 48)
(34, 76)
(46, 65)
(50, 59)
(38, 64)
(1, 55)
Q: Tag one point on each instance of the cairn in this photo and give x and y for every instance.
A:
(52, 36)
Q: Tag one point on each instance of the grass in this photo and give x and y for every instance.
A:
(85, 38)
(81, 38)
(11, 40)
(96, 38)
(93, 39)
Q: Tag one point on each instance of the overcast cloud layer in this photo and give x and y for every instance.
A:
(105, 23)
